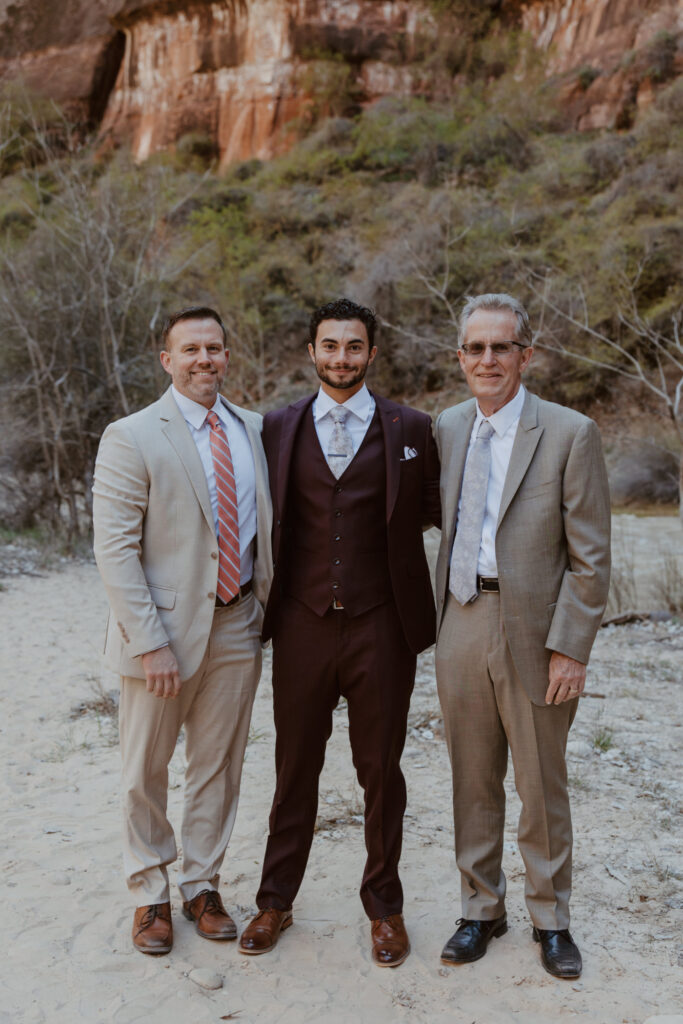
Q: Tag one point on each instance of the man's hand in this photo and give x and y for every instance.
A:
(161, 670)
(567, 679)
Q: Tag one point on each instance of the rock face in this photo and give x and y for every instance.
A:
(623, 48)
(68, 51)
(240, 71)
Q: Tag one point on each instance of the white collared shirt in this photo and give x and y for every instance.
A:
(362, 409)
(504, 423)
(195, 415)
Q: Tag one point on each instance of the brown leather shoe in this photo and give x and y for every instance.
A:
(390, 943)
(262, 933)
(153, 929)
(210, 916)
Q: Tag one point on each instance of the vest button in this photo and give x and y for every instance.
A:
(337, 489)
(211, 596)
(336, 561)
(335, 585)
(214, 554)
(337, 536)
(338, 512)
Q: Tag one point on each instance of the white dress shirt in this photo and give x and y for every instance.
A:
(195, 415)
(362, 409)
(504, 423)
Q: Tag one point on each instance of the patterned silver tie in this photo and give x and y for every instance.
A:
(340, 448)
(465, 555)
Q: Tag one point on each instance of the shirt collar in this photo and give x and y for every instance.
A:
(359, 404)
(506, 417)
(194, 413)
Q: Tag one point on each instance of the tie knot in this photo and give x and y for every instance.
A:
(485, 430)
(339, 414)
(213, 420)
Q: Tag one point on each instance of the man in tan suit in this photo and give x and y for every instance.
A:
(182, 522)
(522, 579)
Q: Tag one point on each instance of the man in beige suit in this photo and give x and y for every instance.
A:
(522, 579)
(182, 522)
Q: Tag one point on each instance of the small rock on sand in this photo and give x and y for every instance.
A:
(205, 978)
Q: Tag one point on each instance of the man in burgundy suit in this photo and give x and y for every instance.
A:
(354, 478)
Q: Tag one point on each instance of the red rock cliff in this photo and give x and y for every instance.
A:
(614, 40)
(238, 70)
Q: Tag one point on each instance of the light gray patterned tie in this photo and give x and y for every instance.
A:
(465, 555)
(340, 448)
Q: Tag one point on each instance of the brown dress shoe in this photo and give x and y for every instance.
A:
(153, 929)
(212, 919)
(261, 934)
(390, 944)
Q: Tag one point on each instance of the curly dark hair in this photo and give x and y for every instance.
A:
(343, 309)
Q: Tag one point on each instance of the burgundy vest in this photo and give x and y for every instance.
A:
(338, 528)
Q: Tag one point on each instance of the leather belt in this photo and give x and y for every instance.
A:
(488, 585)
(239, 596)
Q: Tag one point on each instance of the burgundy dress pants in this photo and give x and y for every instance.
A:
(315, 661)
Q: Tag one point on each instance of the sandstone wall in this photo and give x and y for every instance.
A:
(602, 35)
(67, 50)
(235, 69)
(150, 71)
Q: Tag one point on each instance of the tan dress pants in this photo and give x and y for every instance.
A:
(485, 711)
(214, 706)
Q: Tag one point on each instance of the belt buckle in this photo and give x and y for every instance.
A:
(488, 585)
(337, 605)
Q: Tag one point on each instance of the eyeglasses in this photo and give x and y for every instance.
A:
(498, 348)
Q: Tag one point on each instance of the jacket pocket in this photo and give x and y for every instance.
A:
(525, 494)
(163, 597)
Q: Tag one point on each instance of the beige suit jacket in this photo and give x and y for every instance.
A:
(155, 540)
(553, 536)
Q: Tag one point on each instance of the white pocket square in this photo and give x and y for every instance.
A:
(409, 453)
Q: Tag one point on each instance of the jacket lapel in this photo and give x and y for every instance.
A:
(526, 440)
(175, 428)
(292, 418)
(456, 468)
(392, 428)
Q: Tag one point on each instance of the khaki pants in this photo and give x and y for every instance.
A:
(214, 706)
(486, 710)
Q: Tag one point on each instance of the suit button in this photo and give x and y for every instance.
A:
(337, 536)
(335, 585)
(338, 489)
(211, 596)
(337, 561)
(338, 512)
(214, 554)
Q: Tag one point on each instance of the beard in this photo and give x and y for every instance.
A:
(344, 385)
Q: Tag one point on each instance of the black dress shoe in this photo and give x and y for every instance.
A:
(559, 953)
(471, 939)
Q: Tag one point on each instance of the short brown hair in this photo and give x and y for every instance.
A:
(191, 313)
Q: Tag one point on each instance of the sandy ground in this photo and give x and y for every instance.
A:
(67, 955)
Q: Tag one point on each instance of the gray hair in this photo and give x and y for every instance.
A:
(496, 300)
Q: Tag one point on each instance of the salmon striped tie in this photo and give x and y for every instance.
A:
(228, 524)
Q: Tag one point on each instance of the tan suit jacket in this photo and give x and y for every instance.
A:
(552, 541)
(155, 540)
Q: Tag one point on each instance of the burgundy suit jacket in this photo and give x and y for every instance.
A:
(412, 485)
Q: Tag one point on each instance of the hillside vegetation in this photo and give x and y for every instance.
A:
(408, 206)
